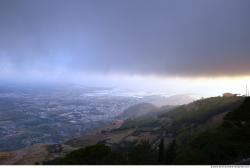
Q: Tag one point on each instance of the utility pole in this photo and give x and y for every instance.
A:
(247, 91)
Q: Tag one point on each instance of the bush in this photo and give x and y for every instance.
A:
(98, 154)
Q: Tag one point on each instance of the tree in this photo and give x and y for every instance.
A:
(170, 153)
(143, 154)
(98, 154)
(161, 152)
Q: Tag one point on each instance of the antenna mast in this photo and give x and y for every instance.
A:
(247, 92)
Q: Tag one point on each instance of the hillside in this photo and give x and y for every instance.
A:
(228, 144)
(203, 132)
(194, 114)
(138, 110)
(185, 141)
(201, 110)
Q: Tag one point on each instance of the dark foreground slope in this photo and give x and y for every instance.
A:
(100, 154)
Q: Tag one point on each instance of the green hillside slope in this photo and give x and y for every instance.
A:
(227, 144)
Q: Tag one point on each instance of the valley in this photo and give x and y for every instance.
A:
(52, 114)
(125, 135)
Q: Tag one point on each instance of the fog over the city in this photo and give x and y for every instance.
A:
(169, 45)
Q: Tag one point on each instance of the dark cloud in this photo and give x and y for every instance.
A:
(162, 37)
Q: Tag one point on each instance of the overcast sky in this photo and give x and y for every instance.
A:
(169, 38)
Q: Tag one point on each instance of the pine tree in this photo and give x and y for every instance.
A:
(170, 153)
(161, 152)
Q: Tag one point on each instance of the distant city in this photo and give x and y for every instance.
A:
(53, 114)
